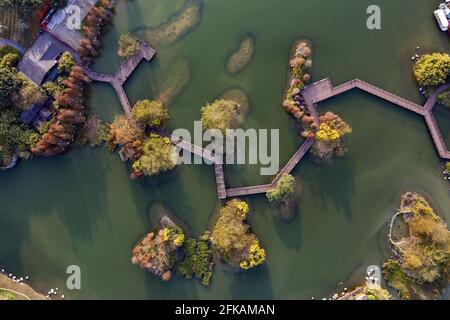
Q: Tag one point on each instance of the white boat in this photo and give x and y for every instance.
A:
(441, 19)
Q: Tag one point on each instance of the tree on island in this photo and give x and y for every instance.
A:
(232, 239)
(121, 132)
(128, 45)
(198, 259)
(28, 95)
(330, 136)
(432, 70)
(158, 156)
(150, 114)
(156, 252)
(284, 189)
(220, 115)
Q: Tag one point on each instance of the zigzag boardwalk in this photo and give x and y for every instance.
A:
(295, 159)
(128, 66)
(312, 94)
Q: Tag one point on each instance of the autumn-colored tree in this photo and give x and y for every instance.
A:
(330, 136)
(220, 115)
(432, 70)
(65, 63)
(9, 60)
(283, 190)
(150, 113)
(9, 86)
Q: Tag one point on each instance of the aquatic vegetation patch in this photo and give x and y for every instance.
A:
(241, 57)
(419, 269)
(176, 79)
(176, 26)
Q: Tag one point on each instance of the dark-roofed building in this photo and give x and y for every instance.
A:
(40, 58)
(34, 113)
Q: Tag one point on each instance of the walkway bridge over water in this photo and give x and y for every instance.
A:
(313, 94)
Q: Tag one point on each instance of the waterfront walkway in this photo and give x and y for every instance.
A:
(313, 94)
(323, 90)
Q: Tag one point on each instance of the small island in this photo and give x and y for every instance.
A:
(241, 57)
(232, 241)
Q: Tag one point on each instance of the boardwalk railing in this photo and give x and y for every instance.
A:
(292, 163)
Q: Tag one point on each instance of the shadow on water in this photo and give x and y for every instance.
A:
(340, 185)
(257, 283)
(289, 232)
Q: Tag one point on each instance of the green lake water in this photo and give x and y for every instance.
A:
(83, 209)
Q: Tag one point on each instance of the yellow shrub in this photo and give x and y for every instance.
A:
(326, 133)
(257, 256)
(179, 239)
(243, 208)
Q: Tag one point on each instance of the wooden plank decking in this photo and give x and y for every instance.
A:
(323, 90)
(128, 66)
(312, 94)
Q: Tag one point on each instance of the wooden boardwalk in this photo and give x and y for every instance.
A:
(128, 66)
(323, 90)
(292, 163)
(125, 70)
